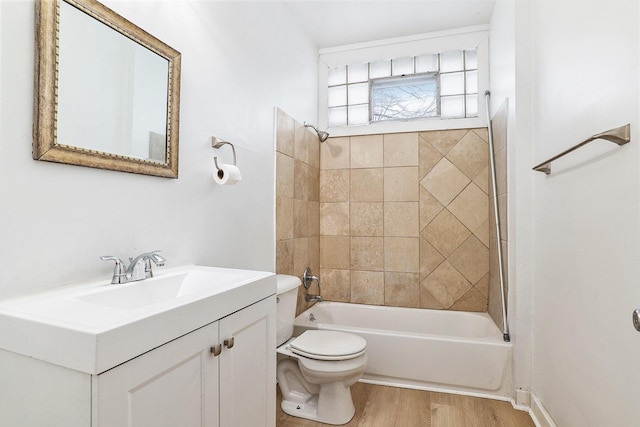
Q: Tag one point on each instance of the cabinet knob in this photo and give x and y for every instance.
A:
(216, 349)
(229, 342)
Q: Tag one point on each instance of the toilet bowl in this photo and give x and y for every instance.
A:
(318, 367)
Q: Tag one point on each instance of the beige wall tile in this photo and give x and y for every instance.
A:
(430, 258)
(367, 253)
(367, 151)
(300, 218)
(401, 289)
(284, 256)
(301, 180)
(361, 201)
(501, 170)
(402, 219)
(314, 254)
(367, 219)
(482, 180)
(430, 207)
(334, 185)
(285, 133)
(471, 259)
(429, 156)
(367, 185)
(444, 140)
(313, 181)
(334, 219)
(314, 219)
(401, 149)
(367, 287)
(301, 143)
(471, 301)
(402, 254)
(445, 233)
(484, 132)
(401, 184)
(284, 218)
(471, 207)
(284, 175)
(482, 233)
(446, 284)
(470, 155)
(502, 210)
(445, 181)
(336, 285)
(313, 144)
(300, 255)
(335, 153)
(429, 301)
(334, 252)
(483, 285)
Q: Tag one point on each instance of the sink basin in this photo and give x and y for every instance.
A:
(95, 326)
(136, 295)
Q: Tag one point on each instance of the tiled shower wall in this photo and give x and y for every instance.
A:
(499, 122)
(395, 219)
(297, 200)
(404, 219)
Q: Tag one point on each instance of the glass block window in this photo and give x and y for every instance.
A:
(443, 85)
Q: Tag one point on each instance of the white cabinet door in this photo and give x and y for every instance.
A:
(173, 385)
(248, 368)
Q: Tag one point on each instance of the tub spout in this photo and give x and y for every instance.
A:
(313, 298)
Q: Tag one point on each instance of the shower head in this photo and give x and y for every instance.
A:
(322, 135)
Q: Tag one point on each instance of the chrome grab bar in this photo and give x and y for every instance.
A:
(620, 135)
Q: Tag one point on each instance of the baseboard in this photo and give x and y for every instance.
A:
(539, 413)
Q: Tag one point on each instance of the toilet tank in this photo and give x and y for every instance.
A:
(286, 306)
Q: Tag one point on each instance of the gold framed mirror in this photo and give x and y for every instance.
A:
(107, 93)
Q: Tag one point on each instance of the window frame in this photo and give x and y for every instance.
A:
(475, 37)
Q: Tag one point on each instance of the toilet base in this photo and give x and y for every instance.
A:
(333, 409)
(328, 403)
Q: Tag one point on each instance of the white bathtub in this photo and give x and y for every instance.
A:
(439, 350)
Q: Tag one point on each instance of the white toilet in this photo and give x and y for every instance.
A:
(320, 366)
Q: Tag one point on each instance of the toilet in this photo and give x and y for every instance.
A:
(316, 369)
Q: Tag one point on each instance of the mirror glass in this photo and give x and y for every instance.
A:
(114, 99)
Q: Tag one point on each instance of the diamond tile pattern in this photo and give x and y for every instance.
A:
(445, 181)
(454, 218)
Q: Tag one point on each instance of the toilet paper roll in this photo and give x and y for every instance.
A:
(227, 174)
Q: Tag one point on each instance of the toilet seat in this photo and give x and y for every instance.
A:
(328, 345)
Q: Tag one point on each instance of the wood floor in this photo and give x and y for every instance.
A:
(379, 406)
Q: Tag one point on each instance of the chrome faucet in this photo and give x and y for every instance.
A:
(139, 267)
(307, 279)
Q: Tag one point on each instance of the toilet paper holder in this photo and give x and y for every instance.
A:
(218, 143)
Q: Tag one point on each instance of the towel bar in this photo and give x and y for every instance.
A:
(619, 135)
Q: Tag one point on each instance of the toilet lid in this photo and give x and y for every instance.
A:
(328, 345)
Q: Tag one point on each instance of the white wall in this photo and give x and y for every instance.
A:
(581, 63)
(510, 82)
(239, 61)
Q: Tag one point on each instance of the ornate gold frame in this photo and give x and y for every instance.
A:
(45, 144)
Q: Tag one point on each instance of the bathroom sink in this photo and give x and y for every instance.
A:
(162, 289)
(93, 327)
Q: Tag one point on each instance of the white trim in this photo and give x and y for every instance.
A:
(539, 413)
(405, 39)
(409, 126)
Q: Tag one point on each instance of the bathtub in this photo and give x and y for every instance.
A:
(439, 350)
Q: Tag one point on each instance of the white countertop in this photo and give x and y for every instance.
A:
(81, 328)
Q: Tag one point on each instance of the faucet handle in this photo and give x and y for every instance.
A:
(118, 269)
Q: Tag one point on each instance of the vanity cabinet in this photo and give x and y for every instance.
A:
(220, 375)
